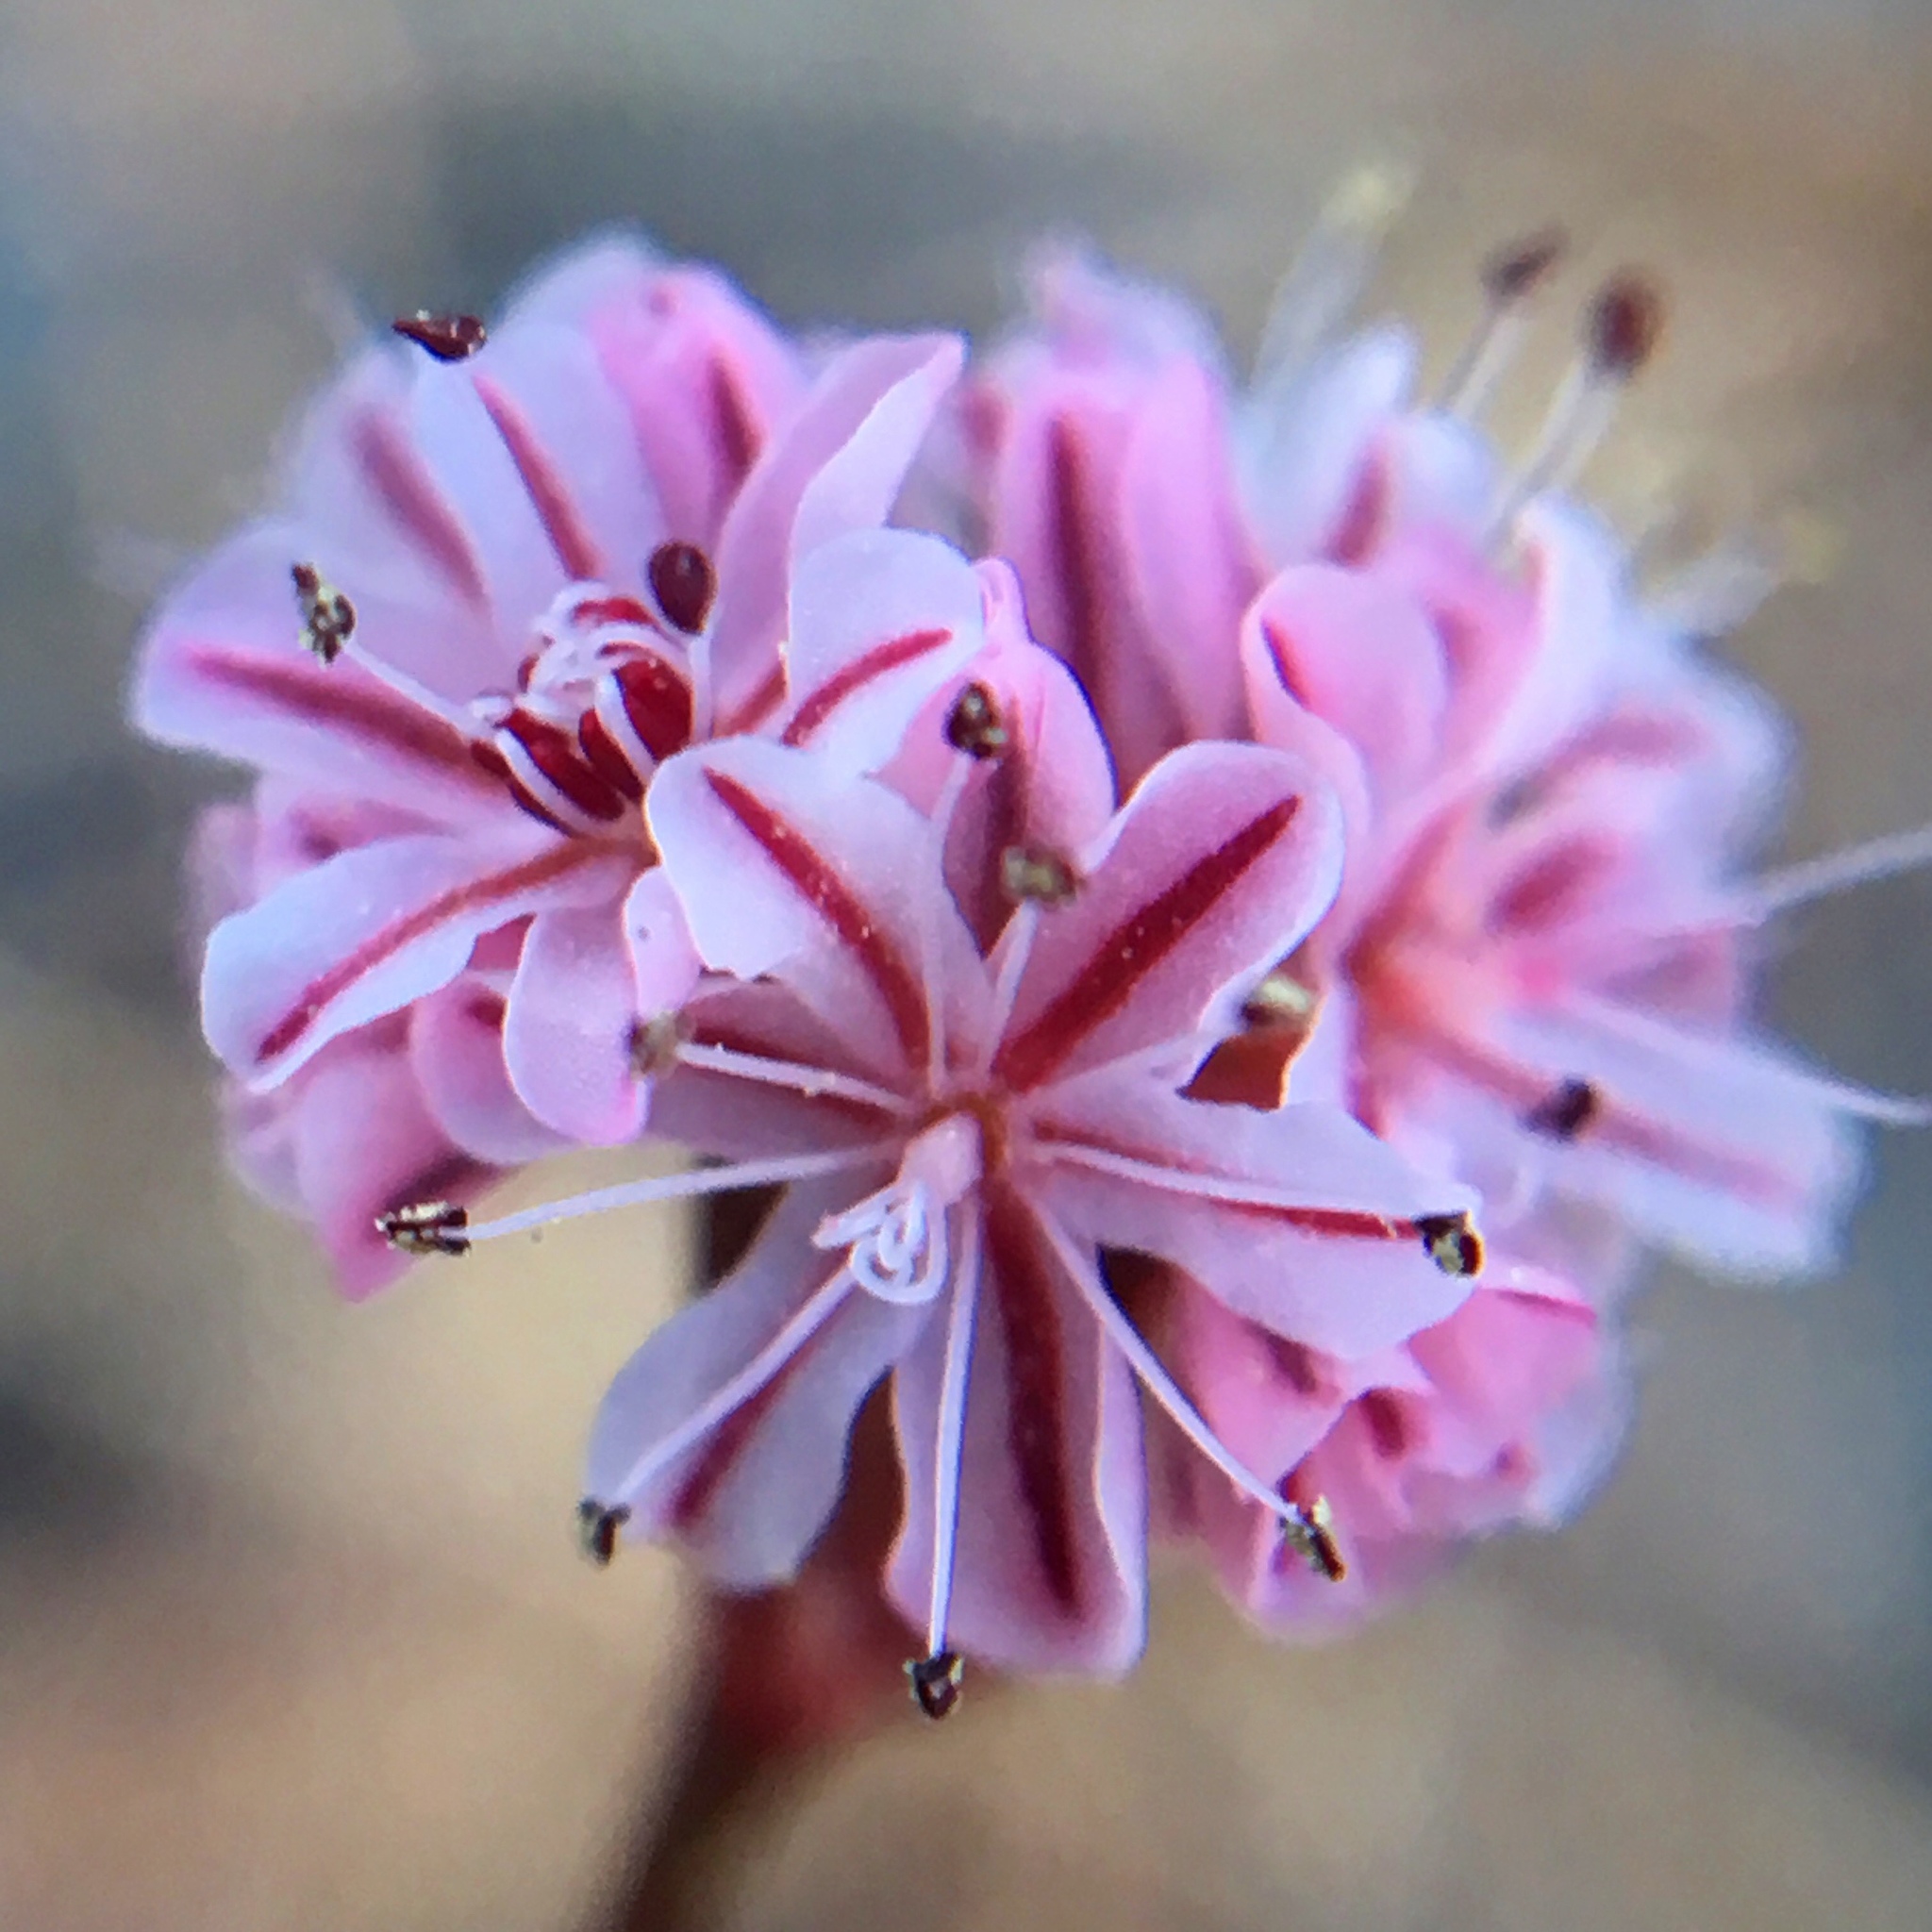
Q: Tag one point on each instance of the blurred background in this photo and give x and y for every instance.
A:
(292, 1631)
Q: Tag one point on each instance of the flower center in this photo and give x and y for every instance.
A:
(895, 1240)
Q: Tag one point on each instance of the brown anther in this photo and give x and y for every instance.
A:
(934, 1682)
(1310, 1534)
(1451, 1241)
(684, 582)
(448, 338)
(597, 1530)
(974, 725)
(1624, 324)
(653, 1044)
(1566, 1111)
(328, 619)
(1032, 872)
(1519, 269)
(425, 1227)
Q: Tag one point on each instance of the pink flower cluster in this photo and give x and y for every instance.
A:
(1144, 958)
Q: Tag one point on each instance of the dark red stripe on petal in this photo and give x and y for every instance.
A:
(826, 892)
(1552, 887)
(1364, 517)
(755, 708)
(876, 663)
(1024, 1296)
(407, 490)
(603, 758)
(1075, 565)
(577, 549)
(735, 424)
(464, 901)
(326, 698)
(1128, 954)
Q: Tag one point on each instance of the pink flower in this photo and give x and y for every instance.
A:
(529, 572)
(1500, 1416)
(967, 1114)
(1537, 974)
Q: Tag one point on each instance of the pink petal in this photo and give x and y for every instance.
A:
(1220, 862)
(456, 1048)
(568, 1035)
(363, 1144)
(750, 1499)
(835, 468)
(827, 887)
(1343, 1271)
(879, 621)
(1051, 1561)
(373, 928)
(222, 670)
(1357, 652)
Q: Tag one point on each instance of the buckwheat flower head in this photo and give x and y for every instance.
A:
(511, 571)
(958, 1036)
(1539, 972)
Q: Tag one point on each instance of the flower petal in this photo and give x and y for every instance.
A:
(456, 1048)
(879, 621)
(750, 1499)
(373, 928)
(1050, 1565)
(1220, 862)
(829, 888)
(835, 467)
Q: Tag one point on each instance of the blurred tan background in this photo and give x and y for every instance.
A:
(292, 1630)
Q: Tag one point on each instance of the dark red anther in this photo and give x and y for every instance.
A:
(1451, 1241)
(554, 753)
(1624, 322)
(448, 338)
(427, 1227)
(657, 701)
(934, 1682)
(597, 1530)
(1566, 1111)
(603, 758)
(684, 583)
(974, 727)
(328, 619)
(1519, 269)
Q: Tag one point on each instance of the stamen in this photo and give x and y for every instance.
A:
(934, 1682)
(427, 1227)
(679, 1186)
(1451, 1242)
(684, 581)
(974, 725)
(597, 1528)
(932, 914)
(1033, 874)
(448, 338)
(815, 1083)
(1015, 949)
(656, 1045)
(1310, 1533)
(328, 619)
(1621, 332)
(1511, 277)
(1837, 872)
(1281, 999)
(1566, 1111)
(950, 1445)
(1161, 1385)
